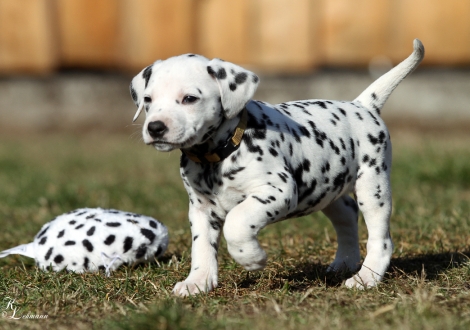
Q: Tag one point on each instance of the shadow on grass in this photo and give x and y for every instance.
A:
(304, 275)
(431, 264)
(299, 279)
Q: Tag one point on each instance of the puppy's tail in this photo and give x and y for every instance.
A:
(24, 249)
(375, 96)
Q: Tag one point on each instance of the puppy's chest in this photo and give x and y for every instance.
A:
(214, 186)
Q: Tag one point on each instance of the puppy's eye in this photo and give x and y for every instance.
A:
(188, 99)
(147, 99)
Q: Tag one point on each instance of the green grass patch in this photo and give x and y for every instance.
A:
(426, 287)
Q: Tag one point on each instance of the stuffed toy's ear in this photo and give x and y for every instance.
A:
(237, 85)
(138, 85)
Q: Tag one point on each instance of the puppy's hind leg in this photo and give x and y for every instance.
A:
(374, 197)
(343, 213)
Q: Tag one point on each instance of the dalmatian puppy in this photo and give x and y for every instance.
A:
(246, 164)
(91, 239)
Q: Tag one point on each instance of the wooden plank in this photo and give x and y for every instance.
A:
(442, 26)
(355, 31)
(223, 30)
(26, 38)
(286, 34)
(155, 29)
(88, 32)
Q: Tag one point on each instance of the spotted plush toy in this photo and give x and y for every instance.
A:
(92, 239)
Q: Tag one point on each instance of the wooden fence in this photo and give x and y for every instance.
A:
(40, 36)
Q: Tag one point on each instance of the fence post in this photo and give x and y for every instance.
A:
(442, 26)
(286, 34)
(87, 31)
(224, 30)
(27, 42)
(355, 31)
(155, 29)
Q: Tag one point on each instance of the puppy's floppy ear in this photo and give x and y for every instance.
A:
(138, 85)
(236, 84)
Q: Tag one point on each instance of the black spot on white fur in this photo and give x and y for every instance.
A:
(91, 231)
(148, 233)
(147, 74)
(48, 254)
(86, 243)
(58, 259)
(127, 244)
(141, 251)
(109, 240)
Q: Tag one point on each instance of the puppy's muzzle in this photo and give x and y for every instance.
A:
(157, 129)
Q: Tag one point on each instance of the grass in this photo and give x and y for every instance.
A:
(426, 287)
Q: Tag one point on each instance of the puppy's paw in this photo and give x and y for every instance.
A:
(344, 265)
(250, 260)
(184, 289)
(193, 286)
(363, 280)
(256, 265)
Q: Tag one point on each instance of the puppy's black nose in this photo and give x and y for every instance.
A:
(156, 129)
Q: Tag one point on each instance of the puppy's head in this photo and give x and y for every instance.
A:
(186, 97)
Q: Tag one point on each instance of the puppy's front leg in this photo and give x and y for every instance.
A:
(245, 220)
(205, 235)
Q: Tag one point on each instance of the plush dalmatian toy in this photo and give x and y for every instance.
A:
(92, 239)
(246, 164)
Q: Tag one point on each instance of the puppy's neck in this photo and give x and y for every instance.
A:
(225, 140)
(225, 131)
